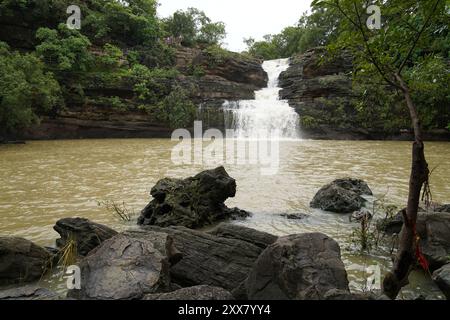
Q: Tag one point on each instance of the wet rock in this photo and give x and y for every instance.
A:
(21, 260)
(209, 259)
(193, 293)
(298, 267)
(434, 233)
(341, 196)
(442, 279)
(433, 229)
(361, 215)
(252, 236)
(443, 208)
(87, 234)
(29, 292)
(294, 216)
(193, 202)
(335, 294)
(127, 266)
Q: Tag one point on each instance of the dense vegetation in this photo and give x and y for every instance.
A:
(376, 106)
(120, 44)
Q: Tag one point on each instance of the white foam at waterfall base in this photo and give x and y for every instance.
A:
(267, 115)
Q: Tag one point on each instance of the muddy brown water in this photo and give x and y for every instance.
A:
(42, 182)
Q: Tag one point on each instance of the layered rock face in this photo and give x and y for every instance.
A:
(233, 78)
(317, 88)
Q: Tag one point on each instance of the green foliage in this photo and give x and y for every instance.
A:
(114, 22)
(316, 29)
(177, 110)
(216, 55)
(111, 57)
(25, 88)
(196, 71)
(64, 49)
(194, 27)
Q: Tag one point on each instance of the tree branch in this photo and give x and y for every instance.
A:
(416, 40)
(360, 28)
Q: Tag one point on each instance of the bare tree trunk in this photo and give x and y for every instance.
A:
(406, 254)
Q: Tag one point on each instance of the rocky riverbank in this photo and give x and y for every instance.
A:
(165, 258)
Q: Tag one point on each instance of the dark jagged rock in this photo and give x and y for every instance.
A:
(442, 279)
(21, 261)
(209, 259)
(193, 202)
(87, 234)
(341, 196)
(433, 229)
(207, 293)
(297, 267)
(255, 237)
(29, 292)
(127, 266)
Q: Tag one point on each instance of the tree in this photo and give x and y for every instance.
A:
(405, 35)
(25, 90)
(194, 27)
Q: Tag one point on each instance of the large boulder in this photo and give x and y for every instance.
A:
(28, 292)
(298, 267)
(87, 234)
(255, 237)
(442, 279)
(193, 202)
(341, 196)
(21, 261)
(193, 293)
(127, 266)
(209, 259)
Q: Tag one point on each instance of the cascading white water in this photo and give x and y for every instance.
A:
(267, 114)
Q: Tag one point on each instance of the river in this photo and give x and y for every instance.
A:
(42, 182)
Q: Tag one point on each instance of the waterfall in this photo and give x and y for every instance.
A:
(267, 114)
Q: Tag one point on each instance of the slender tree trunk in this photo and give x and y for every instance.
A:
(406, 254)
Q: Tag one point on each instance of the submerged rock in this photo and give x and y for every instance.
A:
(252, 236)
(193, 202)
(341, 196)
(442, 279)
(127, 266)
(29, 292)
(298, 267)
(209, 259)
(87, 234)
(21, 260)
(193, 293)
